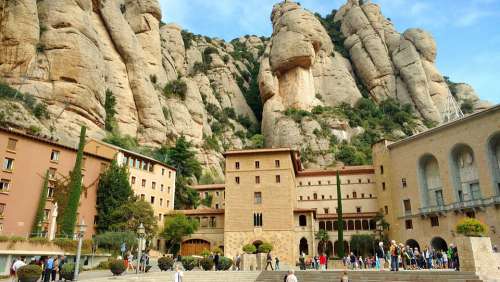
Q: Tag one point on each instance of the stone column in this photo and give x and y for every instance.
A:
(476, 255)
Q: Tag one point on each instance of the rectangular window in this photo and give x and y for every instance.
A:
(163, 171)
(277, 163)
(143, 183)
(151, 167)
(359, 180)
(131, 162)
(52, 173)
(326, 210)
(11, 144)
(46, 214)
(257, 196)
(358, 209)
(168, 203)
(278, 179)
(133, 180)
(168, 189)
(145, 165)
(8, 164)
(319, 182)
(407, 205)
(152, 200)
(257, 219)
(460, 196)
(383, 186)
(409, 224)
(475, 191)
(403, 182)
(153, 185)
(161, 202)
(300, 198)
(169, 174)
(257, 179)
(216, 206)
(386, 210)
(322, 197)
(50, 192)
(54, 155)
(354, 195)
(213, 223)
(161, 187)
(237, 165)
(4, 185)
(381, 169)
(439, 197)
(257, 164)
(434, 221)
(137, 164)
(2, 210)
(362, 195)
(237, 180)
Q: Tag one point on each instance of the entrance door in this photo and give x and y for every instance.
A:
(194, 247)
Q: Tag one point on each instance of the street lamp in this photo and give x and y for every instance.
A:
(141, 232)
(81, 231)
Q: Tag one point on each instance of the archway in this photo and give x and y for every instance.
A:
(336, 248)
(431, 187)
(439, 243)
(303, 246)
(194, 247)
(329, 249)
(494, 158)
(465, 174)
(413, 244)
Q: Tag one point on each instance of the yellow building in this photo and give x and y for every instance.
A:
(427, 182)
(151, 180)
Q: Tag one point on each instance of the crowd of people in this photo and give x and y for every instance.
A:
(51, 267)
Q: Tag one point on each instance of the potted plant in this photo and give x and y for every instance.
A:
(165, 263)
(471, 227)
(225, 263)
(249, 249)
(29, 273)
(68, 271)
(265, 248)
(117, 266)
(189, 262)
(207, 263)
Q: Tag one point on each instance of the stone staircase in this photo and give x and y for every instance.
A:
(215, 276)
(372, 276)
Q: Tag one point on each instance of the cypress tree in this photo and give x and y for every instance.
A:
(35, 230)
(75, 190)
(340, 219)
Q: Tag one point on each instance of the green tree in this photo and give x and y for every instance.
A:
(256, 142)
(340, 231)
(75, 190)
(35, 229)
(113, 191)
(467, 106)
(131, 214)
(112, 241)
(177, 227)
(109, 108)
(362, 244)
(323, 237)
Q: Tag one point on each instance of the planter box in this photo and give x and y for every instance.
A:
(475, 254)
(248, 262)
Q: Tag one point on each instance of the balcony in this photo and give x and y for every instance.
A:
(433, 209)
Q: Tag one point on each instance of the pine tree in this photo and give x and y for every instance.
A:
(35, 229)
(340, 219)
(113, 192)
(75, 190)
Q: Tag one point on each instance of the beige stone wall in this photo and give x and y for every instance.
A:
(401, 161)
(218, 201)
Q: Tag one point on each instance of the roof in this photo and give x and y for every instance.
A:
(220, 186)
(456, 122)
(132, 153)
(48, 140)
(343, 170)
(254, 151)
(199, 211)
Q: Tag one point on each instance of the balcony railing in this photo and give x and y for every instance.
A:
(461, 205)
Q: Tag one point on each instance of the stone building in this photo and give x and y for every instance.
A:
(269, 197)
(428, 182)
(26, 158)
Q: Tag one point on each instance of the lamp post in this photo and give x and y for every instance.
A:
(81, 231)
(141, 232)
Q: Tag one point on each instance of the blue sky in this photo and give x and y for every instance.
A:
(467, 32)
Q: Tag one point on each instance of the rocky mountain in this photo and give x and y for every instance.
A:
(116, 68)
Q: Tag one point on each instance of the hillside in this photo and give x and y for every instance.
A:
(326, 86)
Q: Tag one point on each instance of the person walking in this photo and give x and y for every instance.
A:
(238, 262)
(454, 257)
(276, 263)
(379, 256)
(291, 276)
(130, 259)
(216, 261)
(178, 275)
(55, 269)
(269, 261)
(352, 260)
(428, 257)
(394, 256)
(49, 266)
(302, 261)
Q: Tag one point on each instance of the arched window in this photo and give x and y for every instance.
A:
(302, 220)
(303, 246)
(364, 224)
(357, 225)
(465, 173)
(329, 226)
(350, 225)
(494, 158)
(335, 225)
(315, 196)
(373, 224)
(322, 225)
(430, 181)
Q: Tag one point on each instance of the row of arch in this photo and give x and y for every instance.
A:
(464, 173)
(358, 224)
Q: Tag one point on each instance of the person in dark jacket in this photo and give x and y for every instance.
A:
(380, 256)
(216, 261)
(269, 261)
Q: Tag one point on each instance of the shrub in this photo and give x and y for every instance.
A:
(199, 67)
(217, 250)
(467, 106)
(189, 262)
(205, 253)
(225, 59)
(153, 78)
(187, 37)
(265, 247)
(165, 263)
(103, 265)
(117, 266)
(68, 271)
(33, 130)
(225, 263)
(29, 272)
(230, 113)
(207, 59)
(471, 227)
(176, 87)
(39, 241)
(207, 263)
(249, 249)
(296, 114)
